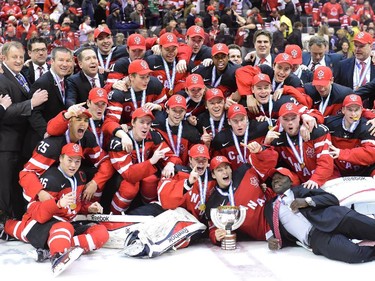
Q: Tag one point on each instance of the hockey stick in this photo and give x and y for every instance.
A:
(112, 218)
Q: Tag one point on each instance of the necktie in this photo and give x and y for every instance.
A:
(22, 81)
(363, 74)
(93, 84)
(275, 219)
(262, 61)
(41, 70)
(313, 65)
(62, 89)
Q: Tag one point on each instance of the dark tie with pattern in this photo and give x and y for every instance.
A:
(22, 81)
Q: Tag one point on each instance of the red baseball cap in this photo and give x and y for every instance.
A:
(199, 150)
(210, 8)
(176, 101)
(142, 112)
(101, 29)
(322, 76)
(295, 52)
(194, 81)
(217, 160)
(284, 58)
(139, 66)
(352, 99)
(219, 48)
(363, 38)
(198, 20)
(97, 95)
(214, 93)
(72, 149)
(168, 39)
(288, 108)
(236, 109)
(136, 41)
(286, 172)
(195, 30)
(214, 18)
(261, 77)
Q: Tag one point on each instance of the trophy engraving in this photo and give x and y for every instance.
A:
(229, 218)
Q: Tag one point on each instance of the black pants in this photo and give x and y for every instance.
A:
(337, 245)
(11, 199)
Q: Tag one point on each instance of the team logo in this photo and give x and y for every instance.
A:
(178, 99)
(215, 92)
(219, 47)
(254, 181)
(353, 97)
(197, 29)
(100, 93)
(261, 77)
(194, 79)
(170, 38)
(289, 106)
(137, 40)
(294, 53)
(76, 148)
(320, 74)
(200, 149)
(219, 159)
(144, 64)
(236, 108)
(285, 56)
(146, 110)
(310, 152)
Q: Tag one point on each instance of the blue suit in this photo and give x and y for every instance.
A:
(331, 60)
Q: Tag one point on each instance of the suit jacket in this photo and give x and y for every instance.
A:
(326, 216)
(331, 60)
(13, 124)
(345, 72)
(78, 88)
(29, 72)
(44, 112)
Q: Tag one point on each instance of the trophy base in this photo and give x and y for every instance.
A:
(229, 242)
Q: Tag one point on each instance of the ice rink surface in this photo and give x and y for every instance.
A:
(203, 261)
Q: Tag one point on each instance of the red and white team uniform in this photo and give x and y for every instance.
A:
(138, 174)
(121, 105)
(10, 10)
(47, 153)
(227, 144)
(176, 192)
(310, 160)
(44, 223)
(180, 142)
(357, 147)
(332, 12)
(247, 192)
(21, 29)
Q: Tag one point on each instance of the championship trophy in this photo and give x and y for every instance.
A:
(229, 218)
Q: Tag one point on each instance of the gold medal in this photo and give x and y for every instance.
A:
(303, 165)
(73, 206)
(270, 127)
(170, 93)
(202, 207)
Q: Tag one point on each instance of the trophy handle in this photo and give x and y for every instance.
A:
(241, 218)
(214, 218)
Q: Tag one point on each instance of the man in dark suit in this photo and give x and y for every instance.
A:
(53, 82)
(13, 126)
(37, 65)
(313, 218)
(317, 56)
(357, 71)
(262, 42)
(79, 85)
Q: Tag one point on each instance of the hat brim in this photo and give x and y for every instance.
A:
(320, 82)
(166, 45)
(99, 100)
(196, 86)
(137, 47)
(219, 52)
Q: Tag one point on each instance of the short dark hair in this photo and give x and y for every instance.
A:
(34, 40)
(262, 32)
(79, 55)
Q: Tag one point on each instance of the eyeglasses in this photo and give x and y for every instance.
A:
(39, 50)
